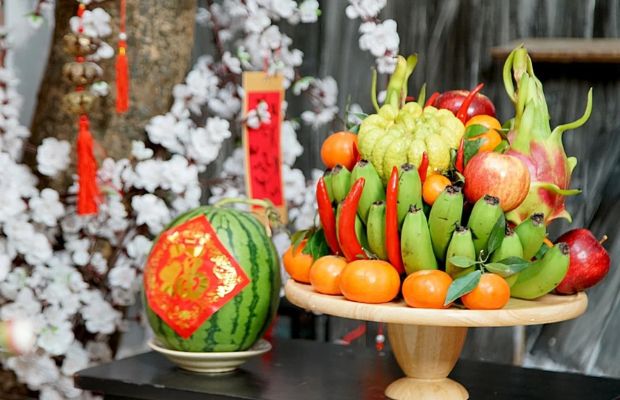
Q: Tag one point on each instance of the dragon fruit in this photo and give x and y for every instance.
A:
(533, 142)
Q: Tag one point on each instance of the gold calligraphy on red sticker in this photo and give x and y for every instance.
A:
(189, 275)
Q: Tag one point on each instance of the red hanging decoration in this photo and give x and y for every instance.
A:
(88, 192)
(122, 66)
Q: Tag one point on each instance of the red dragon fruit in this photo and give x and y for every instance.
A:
(540, 148)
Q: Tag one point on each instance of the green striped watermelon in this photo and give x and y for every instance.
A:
(244, 319)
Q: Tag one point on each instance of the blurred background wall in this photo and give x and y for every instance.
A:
(453, 39)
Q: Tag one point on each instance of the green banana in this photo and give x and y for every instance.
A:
(341, 182)
(445, 216)
(373, 187)
(360, 229)
(375, 229)
(543, 275)
(532, 233)
(415, 242)
(510, 247)
(483, 218)
(461, 245)
(409, 190)
(327, 177)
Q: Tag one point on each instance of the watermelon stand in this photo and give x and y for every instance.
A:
(427, 343)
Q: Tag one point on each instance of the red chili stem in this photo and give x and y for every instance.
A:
(462, 112)
(349, 243)
(423, 168)
(327, 216)
(431, 100)
(392, 236)
(460, 157)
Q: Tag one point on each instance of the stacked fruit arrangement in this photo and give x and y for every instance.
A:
(441, 194)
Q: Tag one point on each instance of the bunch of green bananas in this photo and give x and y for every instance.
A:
(432, 241)
(393, 137)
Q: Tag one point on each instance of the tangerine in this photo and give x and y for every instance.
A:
(427, 289)
(325, 274)
(433, 186)
(491, 293)
(369, 281)
(484, 120)
(297, 264)
(340, 148)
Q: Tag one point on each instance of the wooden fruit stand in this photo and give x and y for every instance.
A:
(427, 342)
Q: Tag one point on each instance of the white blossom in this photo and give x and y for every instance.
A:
(364, 9)
(53, 156)
(232, 63)
(151, 211)
(76, 358)
(309, 11)
(140, 151)
(138, 248)
(291, 148)
(259, 115)
(122, 276)
(381, 40)
(96, 23)
(56, 337)
(99, 315)
(47, 209)
(35, 370)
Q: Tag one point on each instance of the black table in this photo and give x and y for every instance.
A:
(305, 370)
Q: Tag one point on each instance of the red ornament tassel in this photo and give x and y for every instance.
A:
(122, 67)
(122, 79)
(88, 192)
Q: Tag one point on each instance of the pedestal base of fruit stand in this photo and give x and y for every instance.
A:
(426, 354)
(427, 343)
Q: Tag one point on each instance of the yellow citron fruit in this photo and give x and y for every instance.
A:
(392, 137)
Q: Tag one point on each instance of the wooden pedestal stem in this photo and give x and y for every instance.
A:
(426, 354)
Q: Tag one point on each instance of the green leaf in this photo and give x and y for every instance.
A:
(470, 149)
(317, 245)
(497, 235)
(502, 146)
(475, 130)
(508, 266)
(354, 129)
(299, 237)
(462, 285)
(541, 252)
(422, 95)
(461, 262)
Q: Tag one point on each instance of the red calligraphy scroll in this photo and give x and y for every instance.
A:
(189, 275)
(262, 144)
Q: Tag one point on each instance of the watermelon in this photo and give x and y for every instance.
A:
(245, 318)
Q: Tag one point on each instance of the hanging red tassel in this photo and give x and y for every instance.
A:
(122, 79)
(122, 67)
(88, 192)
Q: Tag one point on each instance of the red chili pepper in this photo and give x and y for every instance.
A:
(327, 216)
(392, 236)
(459, 163)
(431, 99)
(462, 112)
(423, 168)
(349, 243)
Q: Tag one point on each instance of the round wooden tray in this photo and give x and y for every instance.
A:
(427, 343)
(547, 309)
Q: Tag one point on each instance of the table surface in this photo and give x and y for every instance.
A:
(547, 309)
(305, 370)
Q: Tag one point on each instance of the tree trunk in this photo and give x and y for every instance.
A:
(160, 41)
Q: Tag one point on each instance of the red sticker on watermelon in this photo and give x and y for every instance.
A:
(189, 275)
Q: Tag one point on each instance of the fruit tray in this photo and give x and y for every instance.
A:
(427, 342)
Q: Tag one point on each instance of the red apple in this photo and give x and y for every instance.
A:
(589, 261)
(500, 175)
(452, 100)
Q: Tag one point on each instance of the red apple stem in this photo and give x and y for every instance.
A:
(603, 239)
